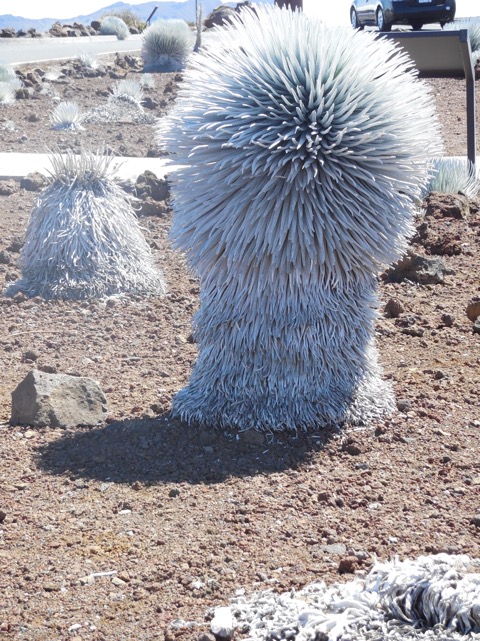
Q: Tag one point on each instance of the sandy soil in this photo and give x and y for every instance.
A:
(131, 529)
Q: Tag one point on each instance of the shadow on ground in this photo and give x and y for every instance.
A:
(164, 450)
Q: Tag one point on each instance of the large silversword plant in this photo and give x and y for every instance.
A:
(304, 150)
(83, 239)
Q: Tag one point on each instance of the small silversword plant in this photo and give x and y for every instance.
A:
(128, 90)
(166, 45)
(452, 175)
(83, 239)
(67, 115)
(114, 26)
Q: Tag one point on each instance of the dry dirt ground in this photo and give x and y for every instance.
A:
(133, 529)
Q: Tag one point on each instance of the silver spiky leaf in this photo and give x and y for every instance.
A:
(83, 239)
(302, 170)
(431, 598)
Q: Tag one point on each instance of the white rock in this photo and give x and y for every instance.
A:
(222, 623)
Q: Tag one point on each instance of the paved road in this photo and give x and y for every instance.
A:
(17, 51)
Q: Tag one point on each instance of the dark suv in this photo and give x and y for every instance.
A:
(385, 13)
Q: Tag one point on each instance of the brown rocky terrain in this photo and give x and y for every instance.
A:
(135, 528)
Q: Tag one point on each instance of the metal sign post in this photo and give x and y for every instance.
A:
(443, 54)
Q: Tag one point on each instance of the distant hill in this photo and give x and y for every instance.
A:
(184, 10)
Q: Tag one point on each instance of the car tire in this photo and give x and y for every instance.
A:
(382, 26)
(354, 20)
(416, 26)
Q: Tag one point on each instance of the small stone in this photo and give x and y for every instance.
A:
(8, 187)
(440, 205)
(118, 581)
(476, 327)
(475, 520)
(173, 493)
(51, 587)
(30, 434)
(418, 269)
(348, 565)
(335, 548)
(473, 309)
(30, 355)
(20, 297)
(3, 516)
(413, 331)
(34, 182)
(352, 449)
(448, 320)
(5, 258)
(57, 400)
(252, 437)
(124, 576)
(16, 244)
(403, 405)
(324, 497)
(89, 579)
(393, 308)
